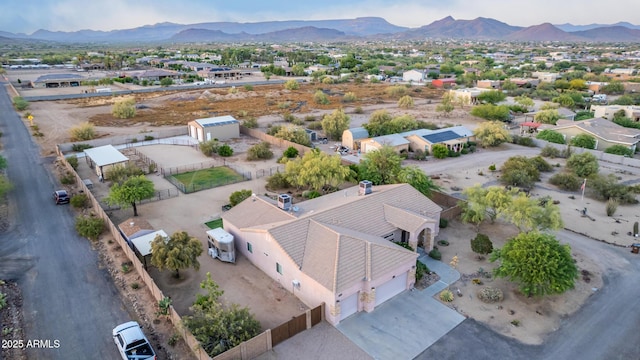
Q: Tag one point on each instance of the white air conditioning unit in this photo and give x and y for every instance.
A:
(285, 201)
(365, 187)
(296, 284)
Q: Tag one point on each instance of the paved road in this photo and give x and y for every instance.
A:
(67, 297)
(605, 328)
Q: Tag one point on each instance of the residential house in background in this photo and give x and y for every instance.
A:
(339, 248)
(454, 138)
(608, 111)
(396, 141)
(606, 132)
(415, 75)
(351, 138)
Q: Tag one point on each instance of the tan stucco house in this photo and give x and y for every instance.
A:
(339, 248)
(219, 127)
(607, 133)
(453, 138)
(396, 141)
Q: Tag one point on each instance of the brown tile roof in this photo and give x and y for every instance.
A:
(337, 239)
(132, 226)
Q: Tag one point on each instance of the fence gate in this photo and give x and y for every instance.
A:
(288, 329)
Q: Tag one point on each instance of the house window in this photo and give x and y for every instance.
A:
(279, 268)
(250, 247)
(389, 237)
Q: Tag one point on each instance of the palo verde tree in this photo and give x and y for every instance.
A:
(447, 104)
(415, 177)
(492, 133)
(583, 165)
(176, 252)
(485, 203)
(132, 190)
(335, 123)
(315, 170)
(537, 262)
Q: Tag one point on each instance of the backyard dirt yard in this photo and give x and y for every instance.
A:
(246, 285)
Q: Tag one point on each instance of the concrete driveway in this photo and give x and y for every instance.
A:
(409, 323)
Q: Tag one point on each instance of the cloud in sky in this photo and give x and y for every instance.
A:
(69, 15)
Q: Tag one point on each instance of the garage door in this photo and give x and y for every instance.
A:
(391, 288)
(348, 306)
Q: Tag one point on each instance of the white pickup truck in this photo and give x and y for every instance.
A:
(132, 343)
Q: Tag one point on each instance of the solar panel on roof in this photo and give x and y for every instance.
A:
(440, 137)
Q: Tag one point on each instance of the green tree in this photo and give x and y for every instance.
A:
(538, 262)
(315, 170)
(492, 97)
(551, 136)
(378, 123)
(381, 166)
(584, 141)
(491, 133)
(3, 162)
(583, 165)
(550, 116)
(218, 328)
(491, 112)
(415, 177)
(614, 87)
(481, 244)
(225, 150)
(166, 82)
(291, 152)
(483, 203)
(524, 101)
(320, 98)
(239, 196)
(124, 108)
(527, 214)
(178, 251)
(578, 84)
(119, 173)
(447, 104)
(294, 134)
(134, 189)
(519, 171)
(439, 151)
(335, 123)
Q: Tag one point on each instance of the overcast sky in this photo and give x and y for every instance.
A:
(27, 16)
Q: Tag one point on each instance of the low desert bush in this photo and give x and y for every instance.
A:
(446, 295)
(490, 295)
(82, 132)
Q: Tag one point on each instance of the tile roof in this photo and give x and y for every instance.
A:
(602, 128)
(337, 239)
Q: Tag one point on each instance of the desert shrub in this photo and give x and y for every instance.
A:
(443, 223)
(435, 254)
(225, 150)
(312, 194)
(523, 141)
(250, 122)
(89, 226)
(583, 165)
(349, 97)
(80, 147)
(248, 87)
(541, 164)
(439, 151)
(73, 161)
(612, 206)
(316, 125)
(278, 181)
(310, 118)
(619, 150)
(551, 136)
(397, 91)
(292, 85)
(490, 295)
(481, 244)
(419, 154)
(519, 171)
(124, 109)
(358, 110)
(608, 187)
(406, 102)
(452, 153)
(67, 179)
(320, 98)
(232, 90)
(239, 196)
(584, 141)
(284, 105)
(446, 295)
(421, 269)
(550, 152)
(83, 131)
(566, 181)
(20, 104)
(291, 152)
(260, 151)
(79, 201)
(327, 80)
(209, 147)
(476, 281)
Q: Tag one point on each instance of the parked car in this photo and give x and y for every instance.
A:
(61, 197)
(132, 343)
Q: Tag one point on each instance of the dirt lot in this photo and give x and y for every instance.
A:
(246, 285)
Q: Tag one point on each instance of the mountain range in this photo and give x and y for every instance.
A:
(365, 28)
